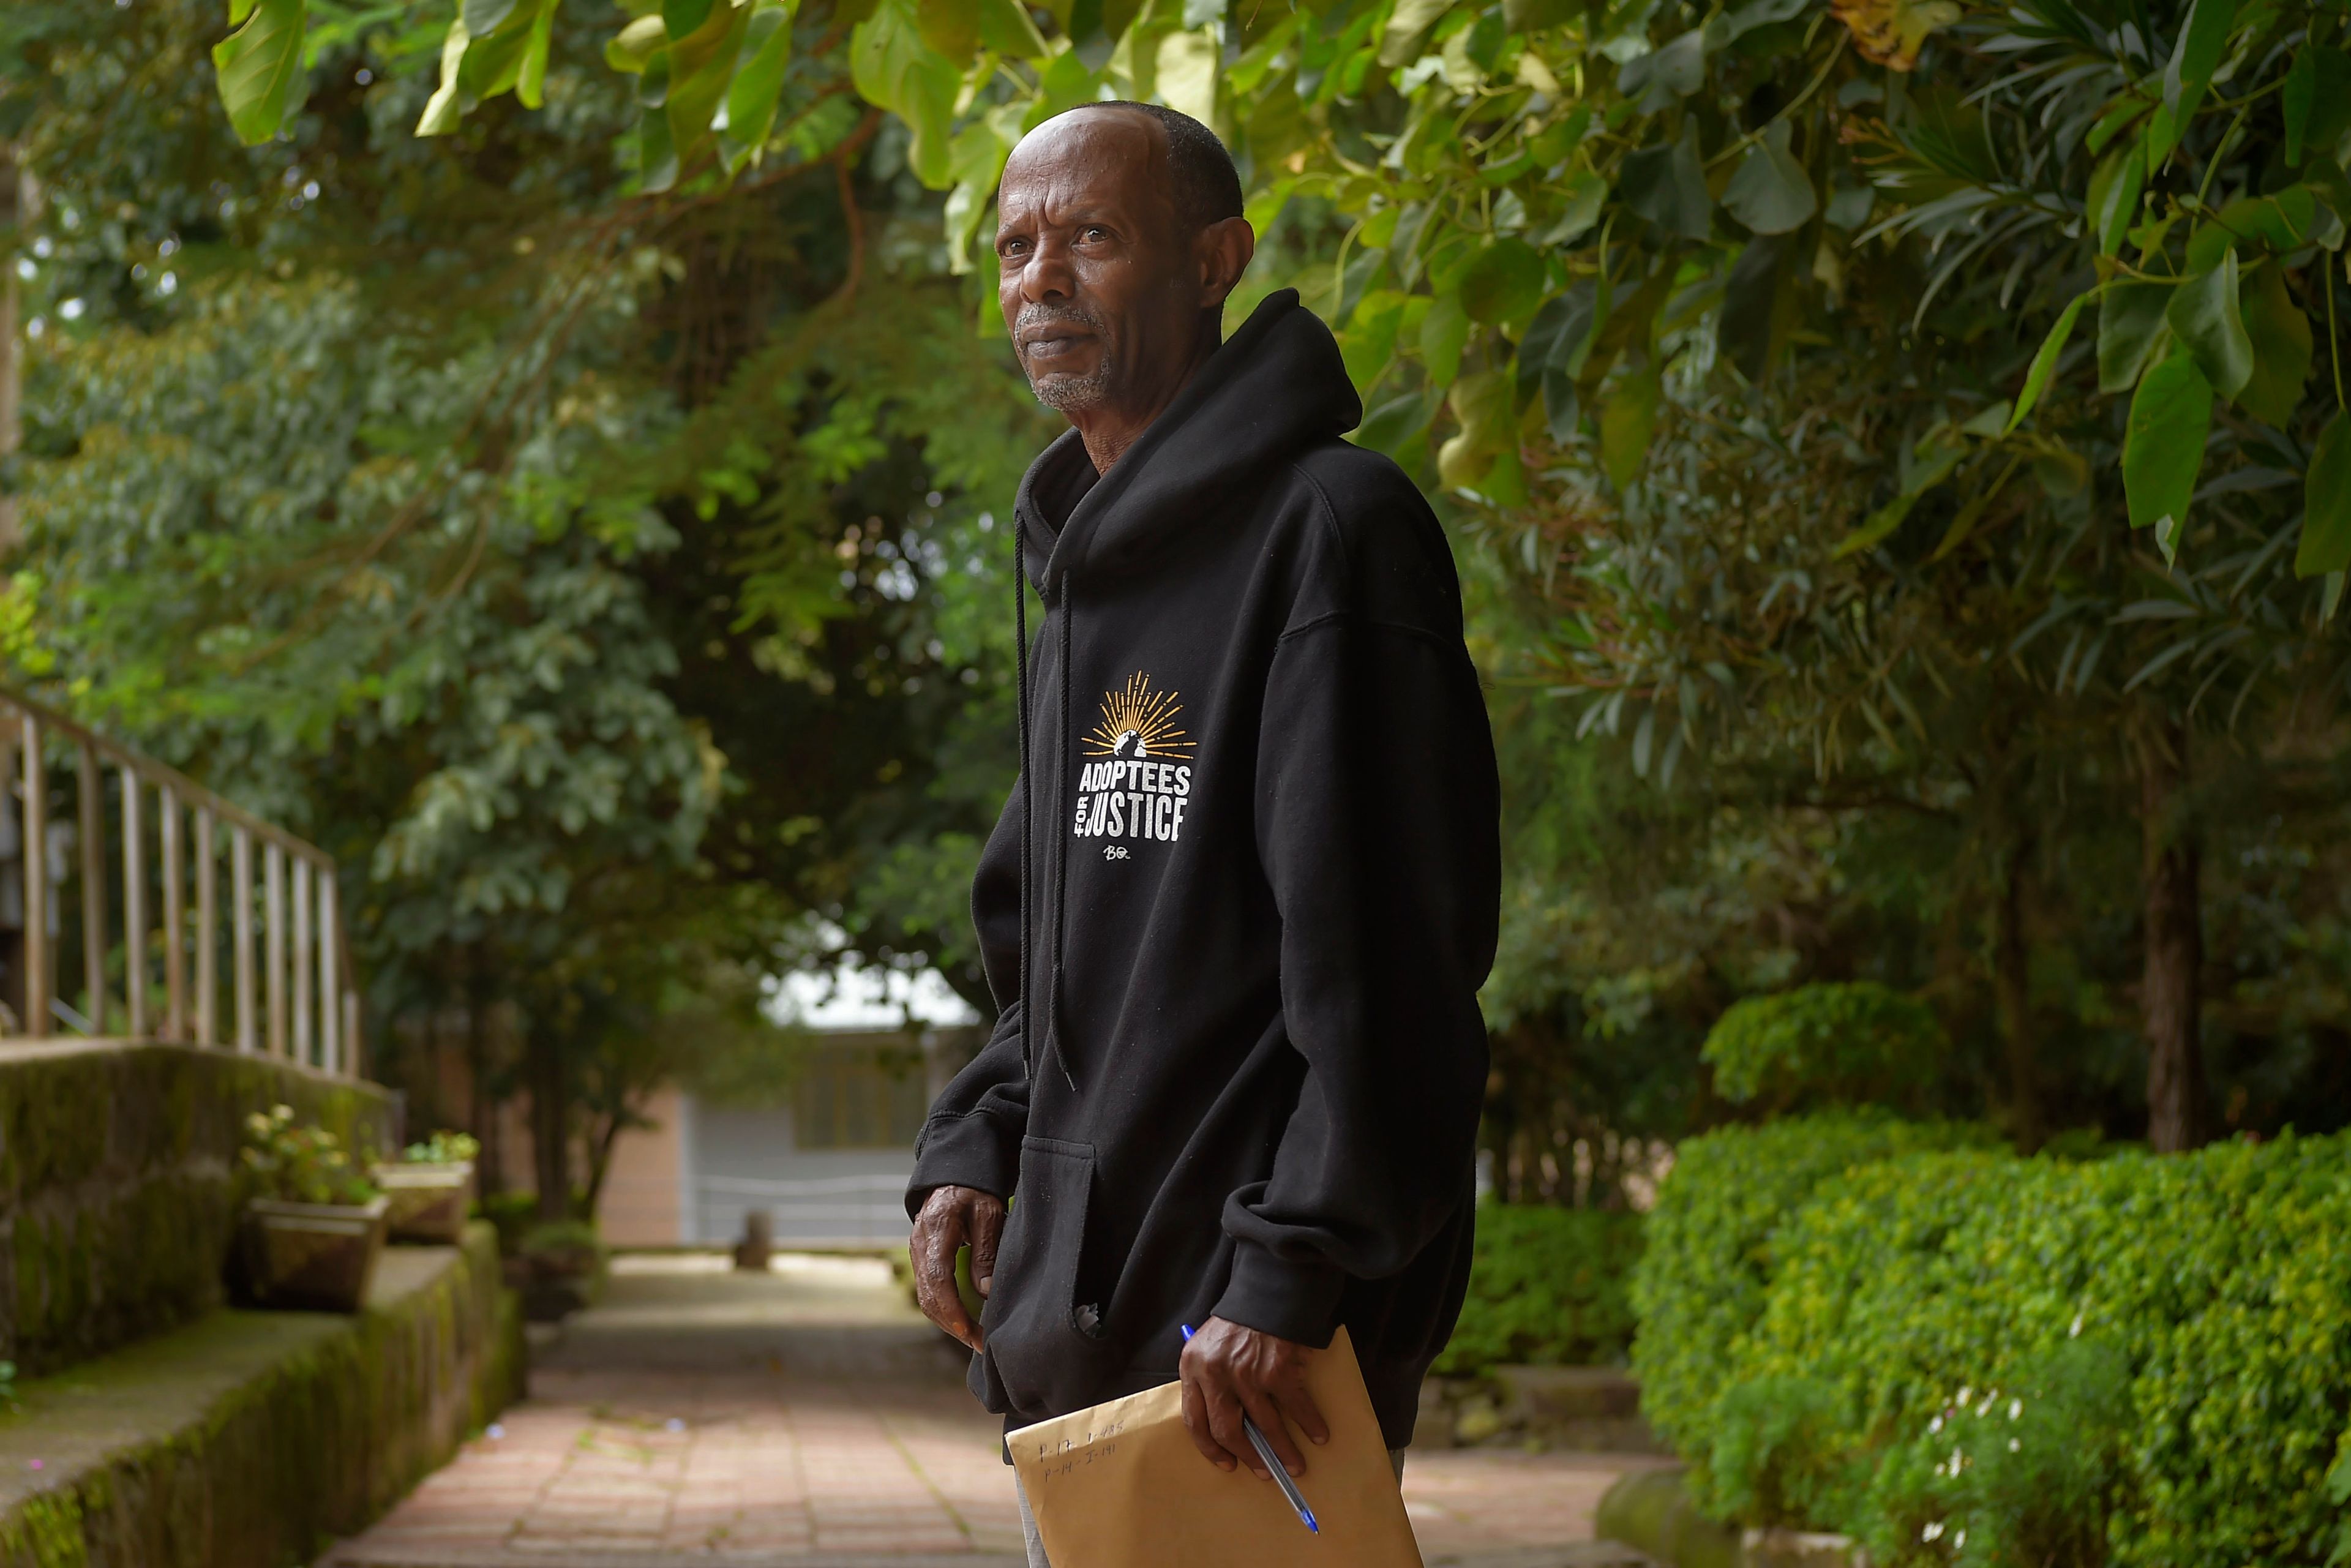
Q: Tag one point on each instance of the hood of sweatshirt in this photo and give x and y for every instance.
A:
(1274, 388)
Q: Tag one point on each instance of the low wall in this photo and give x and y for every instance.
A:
(116, 1174)
(253, 1440)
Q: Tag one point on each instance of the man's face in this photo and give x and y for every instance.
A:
(1098, 287)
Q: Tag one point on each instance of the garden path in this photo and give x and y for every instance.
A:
(809, 1417)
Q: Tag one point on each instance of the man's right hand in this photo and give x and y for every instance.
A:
(954, 1218)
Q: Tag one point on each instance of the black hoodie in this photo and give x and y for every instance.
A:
(1249, 876)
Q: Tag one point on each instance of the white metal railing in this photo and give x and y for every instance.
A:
(298, 1004)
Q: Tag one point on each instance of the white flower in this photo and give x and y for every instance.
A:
(1932, 1532)
(1958, 1461)
(2075, 1332)
(1935, 1426)
(2014, 1445)
(2015, 1408)
(1965, 1393)
(1959, 1542)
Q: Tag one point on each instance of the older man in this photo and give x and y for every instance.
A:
(1240, 903)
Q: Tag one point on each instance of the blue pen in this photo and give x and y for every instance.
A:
(1265, 1451)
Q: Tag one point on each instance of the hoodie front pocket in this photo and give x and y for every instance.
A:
(1038, 1338)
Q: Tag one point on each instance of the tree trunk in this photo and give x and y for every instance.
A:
(482, 1113)
(2012, 993)
(2171, 998)
(551, 1142)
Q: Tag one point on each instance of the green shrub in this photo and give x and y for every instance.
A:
(1828, 1045)
(1707, 1258)
(1547, 1286)
(2167, 1342)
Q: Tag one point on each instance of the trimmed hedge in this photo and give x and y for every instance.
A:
(1548, 1287)
(1960, 1355)
(1710, 1256)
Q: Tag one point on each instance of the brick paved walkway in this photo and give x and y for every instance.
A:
(810, 1417)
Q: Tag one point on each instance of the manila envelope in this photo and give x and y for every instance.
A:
(1121, 1486)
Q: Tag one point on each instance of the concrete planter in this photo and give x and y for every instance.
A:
(317, 1255)
(429, 1201)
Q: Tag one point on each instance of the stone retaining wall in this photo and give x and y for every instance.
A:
(116, 1203)
(253, 1440)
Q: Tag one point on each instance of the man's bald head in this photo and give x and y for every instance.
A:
(1119, 234)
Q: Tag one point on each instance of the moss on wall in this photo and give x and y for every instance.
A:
(117, 1197)
(321, 1434)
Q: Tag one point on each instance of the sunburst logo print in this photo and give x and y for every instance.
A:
(1138, 722)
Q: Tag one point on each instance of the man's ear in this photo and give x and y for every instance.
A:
(1223, 252)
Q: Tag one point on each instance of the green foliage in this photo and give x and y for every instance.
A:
(2027, 1473)
(1714, 1247)
(1548, 1287)
(444, 1147)
(299, 1163)
(2177, 1331)
(1826, 1045)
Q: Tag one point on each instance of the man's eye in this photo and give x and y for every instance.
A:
(1096, 231)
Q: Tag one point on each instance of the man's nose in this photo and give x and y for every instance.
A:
(1047, 275)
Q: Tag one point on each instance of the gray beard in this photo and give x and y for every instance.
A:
(1066, 393)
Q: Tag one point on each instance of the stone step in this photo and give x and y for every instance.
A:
(249, 1439)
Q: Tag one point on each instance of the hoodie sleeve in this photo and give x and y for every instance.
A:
(1377, 827)
(972, 1137)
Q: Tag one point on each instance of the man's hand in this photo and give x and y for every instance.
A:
(1228, 1369)
(954, 1218)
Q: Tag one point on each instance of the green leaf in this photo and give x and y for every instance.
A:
(2204, 316)
(701, 66)
(2203, 37)
(1005, 26)
(1663, 75)
(2045, 363)
(1769, 194)
(256, 66)
(758, 85)
(443, 110)
(893, 69)
(2326, 545)
(682, 16)
(1562, 409)
(633, 47)
(1757, 301)
(1877, 529)
(2163, 445)
(1627, 420)
(1587, 193)
(530, 80)
(238, 10)
(2130, 323)
(1558, 337)
(2328, 132)
(1666, 185)
(1443, 333)
(2295, 97)
(2280, 337)
(484, 18)
(1503, 281)
(1407, 25)
(1482, 402)
(2115, 190)
(656, 153)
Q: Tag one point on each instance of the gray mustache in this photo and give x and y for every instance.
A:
(1036, 317)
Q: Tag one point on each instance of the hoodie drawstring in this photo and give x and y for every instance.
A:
(1027, 818)
(1061, 839)
(1020, 659)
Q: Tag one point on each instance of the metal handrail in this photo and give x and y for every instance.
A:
(317, 1024)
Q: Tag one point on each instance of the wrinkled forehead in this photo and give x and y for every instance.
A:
(1088, 162)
